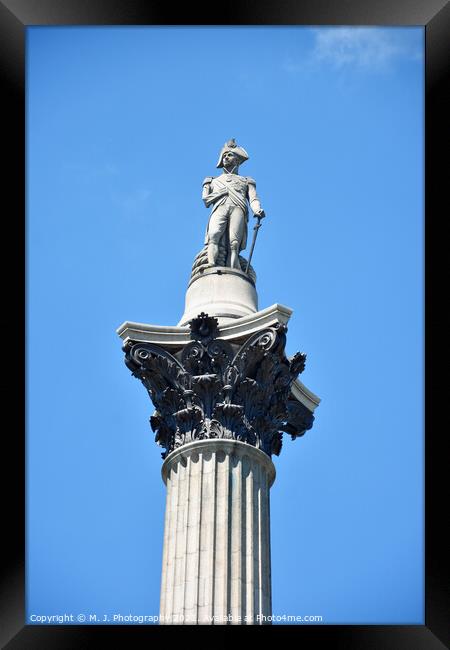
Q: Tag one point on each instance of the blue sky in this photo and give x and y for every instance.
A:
(123, 124)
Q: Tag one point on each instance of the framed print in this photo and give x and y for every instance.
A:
(337, 111)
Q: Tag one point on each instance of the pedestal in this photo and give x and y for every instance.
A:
(216, 558)
(222, 292)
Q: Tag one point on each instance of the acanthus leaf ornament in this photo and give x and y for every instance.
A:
(213, 389)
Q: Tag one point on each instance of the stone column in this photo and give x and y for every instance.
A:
(223, 400)
(216, 559)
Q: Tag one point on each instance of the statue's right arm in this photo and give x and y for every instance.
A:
(206, 190)
(211, 197)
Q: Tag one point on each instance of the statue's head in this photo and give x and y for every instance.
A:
(232, 155)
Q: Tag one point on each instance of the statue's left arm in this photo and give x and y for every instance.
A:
(253, 198)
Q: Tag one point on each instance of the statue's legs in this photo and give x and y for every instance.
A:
(217, 224)
(213, 251)
(236, 230)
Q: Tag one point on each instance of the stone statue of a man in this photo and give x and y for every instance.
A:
(229, 194)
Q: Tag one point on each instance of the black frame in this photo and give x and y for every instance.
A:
(434, 15)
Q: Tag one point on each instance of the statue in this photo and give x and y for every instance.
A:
(229, 194)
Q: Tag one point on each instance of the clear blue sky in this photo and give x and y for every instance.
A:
(123, 124)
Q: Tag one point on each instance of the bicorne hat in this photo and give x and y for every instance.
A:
(232, 146)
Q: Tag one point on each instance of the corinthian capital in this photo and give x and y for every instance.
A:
(211, 388)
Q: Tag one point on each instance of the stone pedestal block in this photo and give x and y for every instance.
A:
(216, 562)
(222, 292)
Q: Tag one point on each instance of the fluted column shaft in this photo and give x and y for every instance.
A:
(216, 557)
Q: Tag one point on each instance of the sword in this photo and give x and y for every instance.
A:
(256, 227)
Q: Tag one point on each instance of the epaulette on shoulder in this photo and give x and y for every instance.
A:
(208, 179)
(250, 180)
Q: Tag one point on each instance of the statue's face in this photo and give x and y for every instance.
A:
(230, 160)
